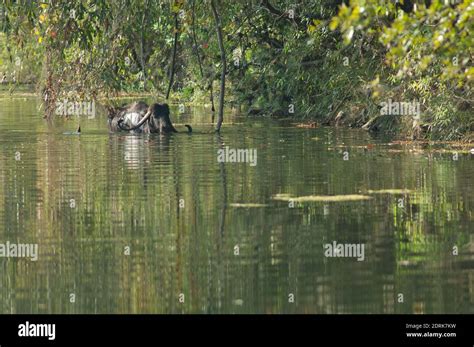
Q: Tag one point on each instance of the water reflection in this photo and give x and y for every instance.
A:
(155, 224)
(133, 147)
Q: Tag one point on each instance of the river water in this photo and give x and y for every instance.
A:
(156, 224)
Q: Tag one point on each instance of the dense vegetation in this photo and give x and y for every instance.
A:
(324, 60)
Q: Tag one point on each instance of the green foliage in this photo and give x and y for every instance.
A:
(316, 58)
(427, 48)
(430, 40)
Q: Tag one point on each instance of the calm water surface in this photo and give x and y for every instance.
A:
(127, 223)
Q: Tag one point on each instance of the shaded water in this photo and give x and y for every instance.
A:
(86, 200)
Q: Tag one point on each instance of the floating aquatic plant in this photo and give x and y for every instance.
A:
(321, 198)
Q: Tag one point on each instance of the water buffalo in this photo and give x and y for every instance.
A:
(138, 117)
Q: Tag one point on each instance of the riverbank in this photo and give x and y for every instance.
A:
(361, 112)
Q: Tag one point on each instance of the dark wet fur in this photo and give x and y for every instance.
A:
(159, 121)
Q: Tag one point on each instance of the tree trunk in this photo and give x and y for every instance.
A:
(211, 90)
(220, 118)
(173, 61)
(142, 60)
(196, 51)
